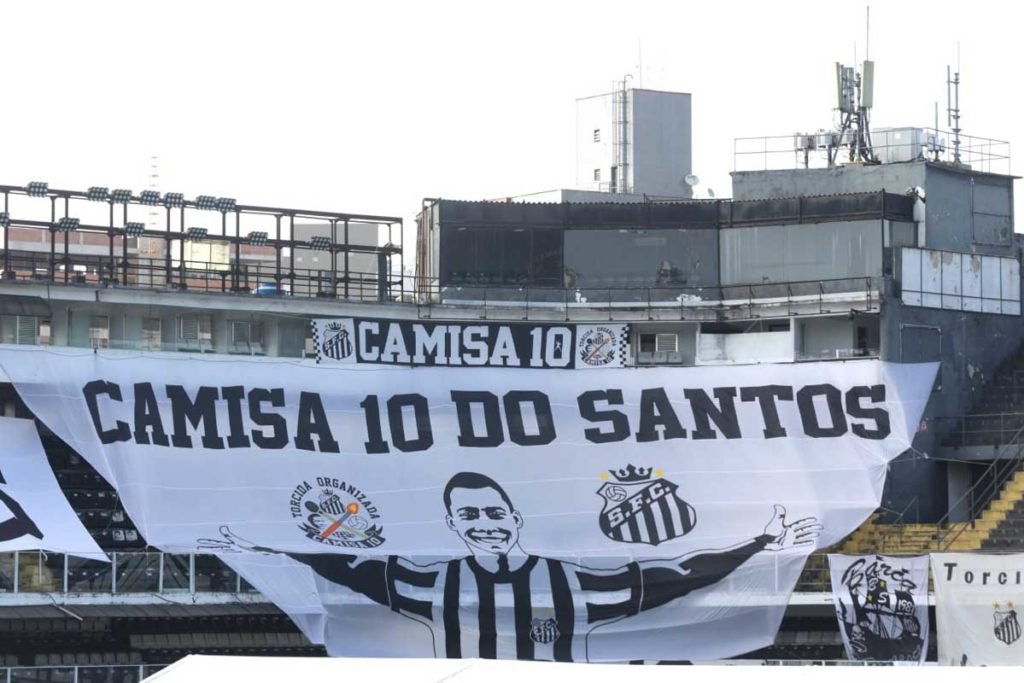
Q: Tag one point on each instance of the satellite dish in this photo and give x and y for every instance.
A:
(691, 180)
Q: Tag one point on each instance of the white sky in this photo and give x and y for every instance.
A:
(369, 107)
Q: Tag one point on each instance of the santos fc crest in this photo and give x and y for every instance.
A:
(642, 509)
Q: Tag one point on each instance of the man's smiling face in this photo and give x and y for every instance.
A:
(483, 519)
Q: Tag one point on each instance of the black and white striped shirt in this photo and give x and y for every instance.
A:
(528, 608)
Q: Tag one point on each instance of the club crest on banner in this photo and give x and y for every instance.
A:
(1006, 625)
(597, 346)
(335, 340)
(544, 631)
(336, 513)
(641, 509)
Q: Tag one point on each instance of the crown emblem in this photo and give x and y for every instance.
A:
(334, 326)
(632, 474)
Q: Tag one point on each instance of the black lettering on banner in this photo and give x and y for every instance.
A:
(541, 409)
(493, 433)
(147, 417)
(421, 410)
(656, 411)
(313, 420)
(20, 524)
(809, 415)
(121, 430)
(201, 411)
(234, 396)
(723, 415)
(876, 393)
(590, 413)
(950, 566)
(766, 396)
(371, 411)
(275, 397)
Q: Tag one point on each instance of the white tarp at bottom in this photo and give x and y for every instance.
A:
(882, 606)
(34, 514)
(477, 512)
(976, 602)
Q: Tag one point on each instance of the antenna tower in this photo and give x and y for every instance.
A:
(953, 109)
(855, 98)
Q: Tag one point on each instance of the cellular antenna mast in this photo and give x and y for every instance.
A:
(953, 107)
(855, 92)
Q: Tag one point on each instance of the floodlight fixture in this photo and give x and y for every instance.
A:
(121, 196)
(98, 194)
(195, 234)
(37, 189)
(5, 219)
(174, 200)
(205, 202)
(258, 239)
(68, 224)
(225, 204)
(149, 197)
(133, 229)
(320, 243)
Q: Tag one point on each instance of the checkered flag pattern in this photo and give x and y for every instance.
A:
(316, 340)
(625, 354)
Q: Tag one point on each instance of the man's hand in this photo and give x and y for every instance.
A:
(798, 533)
(230, 543)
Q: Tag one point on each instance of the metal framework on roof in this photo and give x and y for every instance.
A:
(180, 214)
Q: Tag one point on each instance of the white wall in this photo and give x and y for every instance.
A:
(751, 347)
(594, 113)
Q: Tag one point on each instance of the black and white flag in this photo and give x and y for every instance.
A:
(34, 514)
(977, 601)
(882, 606)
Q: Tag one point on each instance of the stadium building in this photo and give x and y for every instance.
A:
(908, 254)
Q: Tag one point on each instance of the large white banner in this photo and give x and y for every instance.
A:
(882, 606)
(976, 599)
(613, 514)
(34, 514)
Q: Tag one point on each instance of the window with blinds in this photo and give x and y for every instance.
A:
(21, 329)
(195, 333)
(246, 337)
(99, 331)
(152, 333)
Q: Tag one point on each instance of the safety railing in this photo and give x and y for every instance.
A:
(133, 572)
(766, 299)
(778, 152)
(79, 673)
(260, 279)
(1006, 464)
(127, 572)
(980, 429)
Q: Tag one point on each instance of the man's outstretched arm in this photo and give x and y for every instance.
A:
(369, 577)
(662, 584)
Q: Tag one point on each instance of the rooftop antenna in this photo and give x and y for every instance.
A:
(855, 100)
(953, 105)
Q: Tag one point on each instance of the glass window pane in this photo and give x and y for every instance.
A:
(6, 573)
(40, 572)
(89, 576)
(176, 573)
(137, 572)
(214, 576)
